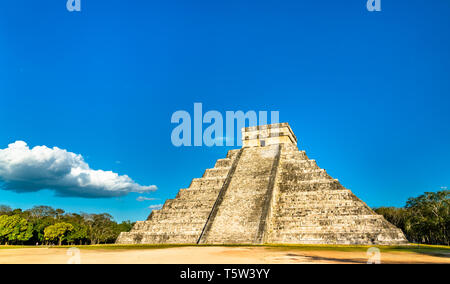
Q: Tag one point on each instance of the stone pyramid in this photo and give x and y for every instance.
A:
(266, 192)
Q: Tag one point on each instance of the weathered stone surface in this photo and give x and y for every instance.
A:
(266, 192)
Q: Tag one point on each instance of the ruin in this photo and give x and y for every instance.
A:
(267, 192)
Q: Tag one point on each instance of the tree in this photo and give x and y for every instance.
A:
(5, 210)
(57, 231)
(59, 213)
(87, 228)
(14, 229)
(17, 211)
(78, 235)
(4, 230)
(39, 226)
(125, 226)
(424, 219)
(42, 212)
(430, 217)
(101, 228)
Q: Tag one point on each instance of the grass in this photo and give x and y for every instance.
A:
(14, 247)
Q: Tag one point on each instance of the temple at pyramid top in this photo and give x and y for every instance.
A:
(264, 135)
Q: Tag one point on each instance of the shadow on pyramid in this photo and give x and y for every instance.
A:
(267, 192)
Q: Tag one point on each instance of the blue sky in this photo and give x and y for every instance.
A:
(367, 94)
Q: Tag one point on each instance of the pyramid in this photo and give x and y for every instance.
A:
(267, 192)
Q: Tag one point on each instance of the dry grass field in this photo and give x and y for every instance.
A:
(222, 254)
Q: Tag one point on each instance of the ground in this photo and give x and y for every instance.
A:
(223, 254)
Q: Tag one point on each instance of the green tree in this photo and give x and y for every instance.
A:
(17, 211)
(430, 217)
(87, 228)
(14, 229)
(4, 229)
(125, 226)
(78, 235)
(424, 219)
(39, 226)
(57, 231)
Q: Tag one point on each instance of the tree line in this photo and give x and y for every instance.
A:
(424, 219)
(46, 225)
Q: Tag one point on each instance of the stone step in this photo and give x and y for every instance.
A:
(380, 237)
(302, 205)
(308, 185)
(339, 218)
(182, 204)
(307, 195)
(199, 194)
(216, 173)
(294, 155)
(163, 238)
(186, 205)
(142, 225)
(334, 228)
(298, 164)
(317, 192)
(337, 200)
(180, 212)
(175, 228)
(183, 219)
(315, 212)
(312, 225)
(223, 163)
(180, 216)
(232, 154)
(204, 183)
(324, 188)
(298, 199)
(312, 170)
(295, 177)
(325, 230)
(314, 182)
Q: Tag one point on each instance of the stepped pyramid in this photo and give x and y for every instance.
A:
(266, 192)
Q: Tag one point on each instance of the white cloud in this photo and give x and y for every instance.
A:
(142, 198)
(25, 170)
(155, 207)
